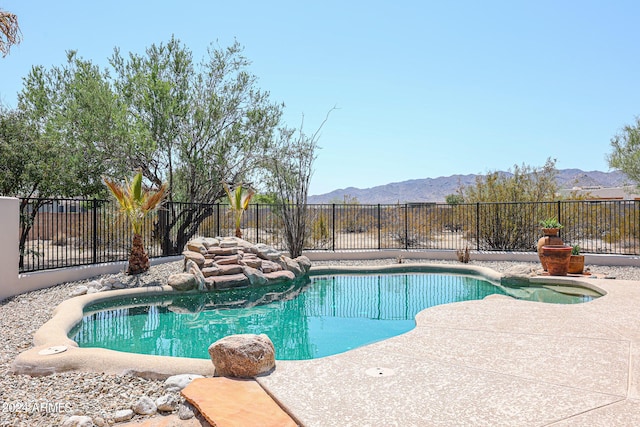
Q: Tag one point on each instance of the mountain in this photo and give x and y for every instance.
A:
(437, 189)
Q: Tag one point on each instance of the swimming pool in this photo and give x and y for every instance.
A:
(306, 319)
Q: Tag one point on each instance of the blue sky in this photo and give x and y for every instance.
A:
(423, 88)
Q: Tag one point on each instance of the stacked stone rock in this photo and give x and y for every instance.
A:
(230, 262)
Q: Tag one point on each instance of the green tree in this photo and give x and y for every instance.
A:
(454, 199)
(625, 155)
(505, 224)
(524, 184)
(196, 125)
(73, 108)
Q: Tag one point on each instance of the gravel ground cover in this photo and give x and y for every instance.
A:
(47, 400)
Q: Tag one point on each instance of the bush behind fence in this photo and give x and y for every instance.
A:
(73, 232)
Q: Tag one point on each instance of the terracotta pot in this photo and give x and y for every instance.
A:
(550, 238)
(576, 264)
(557, 259)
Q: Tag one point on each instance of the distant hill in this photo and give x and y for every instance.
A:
(437, 189)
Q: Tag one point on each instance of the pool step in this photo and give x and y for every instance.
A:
(231, 402)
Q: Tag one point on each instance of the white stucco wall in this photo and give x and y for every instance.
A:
(9, 243)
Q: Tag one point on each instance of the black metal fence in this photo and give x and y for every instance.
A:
(71, 232)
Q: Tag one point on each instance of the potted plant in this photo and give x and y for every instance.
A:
(550, 229)
(576, 262)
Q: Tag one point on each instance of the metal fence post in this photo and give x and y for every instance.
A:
(379, 231)
(218, 219)
(477, 226)
(257, 222)
(94, 218)
(406, 226)
(333, 227)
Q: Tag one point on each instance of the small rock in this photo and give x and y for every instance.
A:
(178, 382)
(118, 285)
(167, 403)
(123, 415)
(79, 290)
(92, 291)
(100, 422)
(186, 411)
(144, 406)
(78, 421)
(94, 284)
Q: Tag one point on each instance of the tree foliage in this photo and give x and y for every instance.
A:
(524, 184)
(194, 125)
(507, 224)
(625, 154)
(9, 31)
(191, 124)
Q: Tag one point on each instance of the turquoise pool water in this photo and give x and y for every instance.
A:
(310, 318)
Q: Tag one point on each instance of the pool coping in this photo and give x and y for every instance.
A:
(54, 333)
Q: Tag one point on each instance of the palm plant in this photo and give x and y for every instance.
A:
(135, 204)
(239, 201)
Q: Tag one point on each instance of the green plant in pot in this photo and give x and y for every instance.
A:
(550, 229)
(551, 226)
(576, 262)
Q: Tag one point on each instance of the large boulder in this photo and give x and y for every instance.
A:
(192, 267)
(243, 356)
(291, 265)
(228, 281)
(183, 281)
(255, 276)
(304, 263)
(280, 276)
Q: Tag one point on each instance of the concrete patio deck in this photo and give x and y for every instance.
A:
(495, 362)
